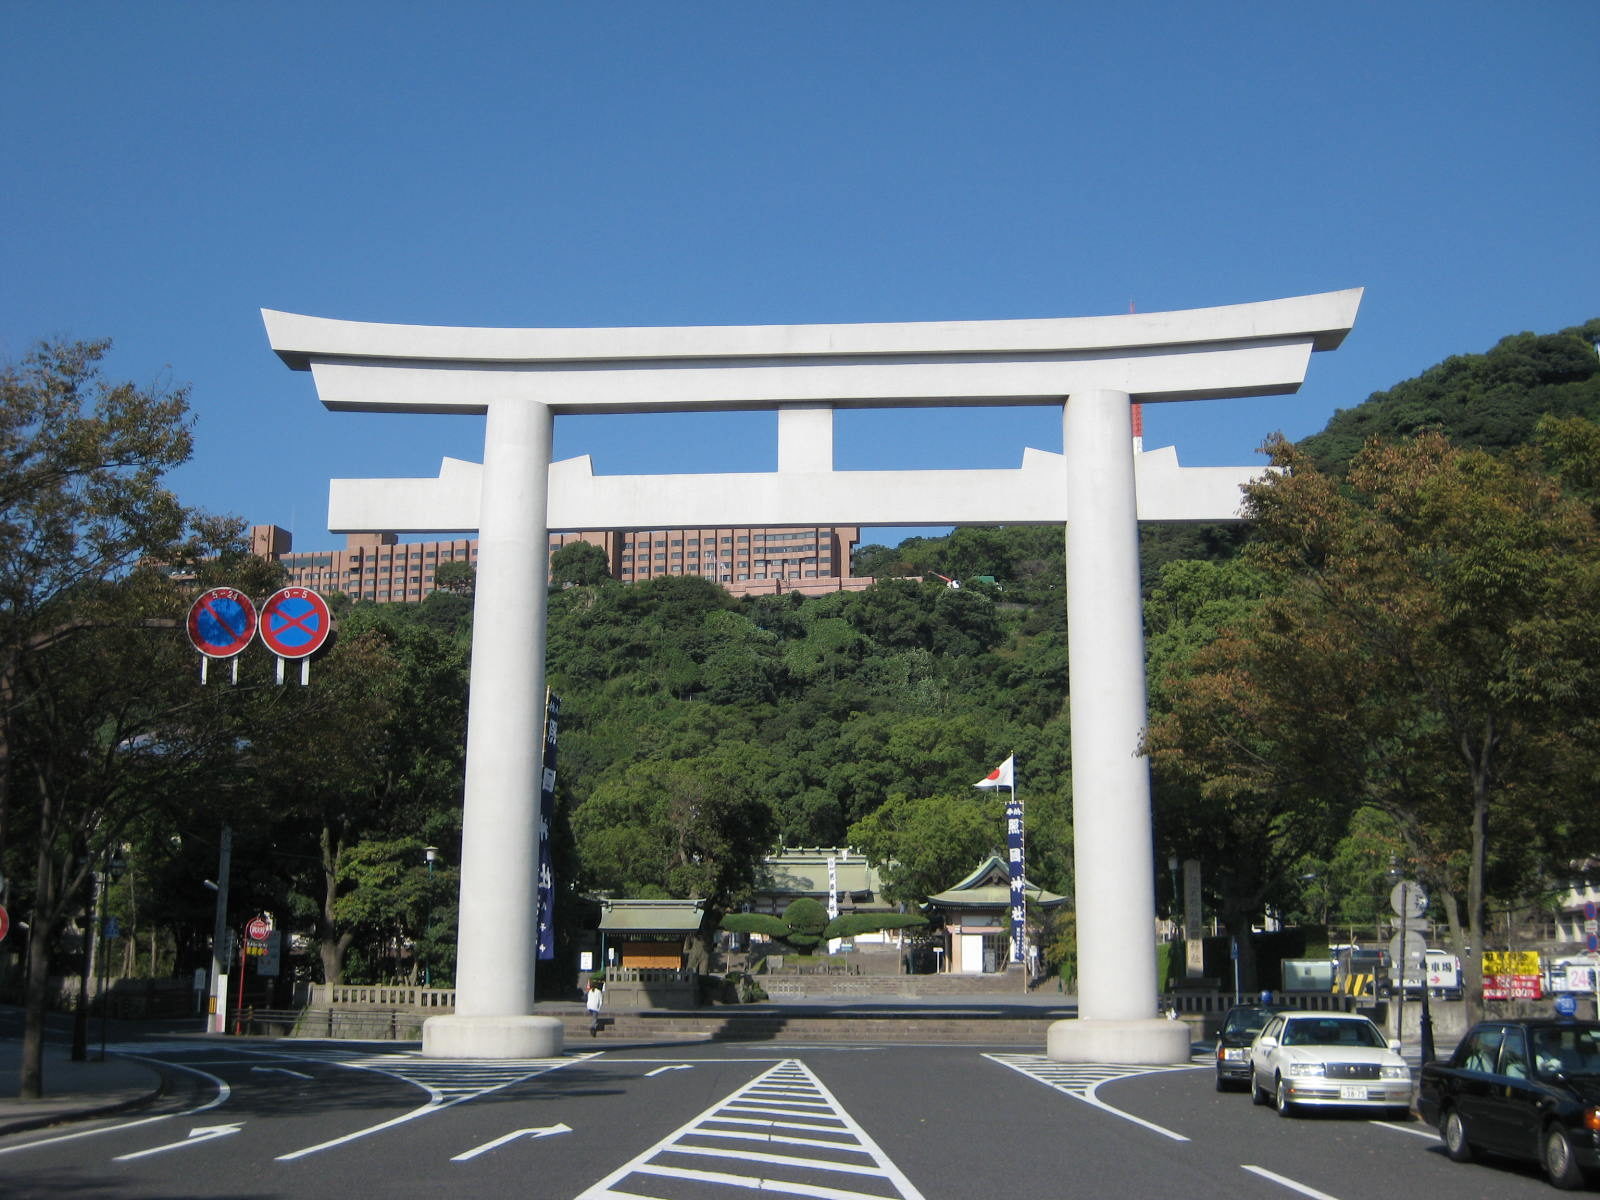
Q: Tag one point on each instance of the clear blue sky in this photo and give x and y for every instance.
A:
(172, 168)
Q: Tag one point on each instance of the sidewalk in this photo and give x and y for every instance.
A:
(72, 1090)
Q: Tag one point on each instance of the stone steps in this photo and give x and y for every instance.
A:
(853, 1027)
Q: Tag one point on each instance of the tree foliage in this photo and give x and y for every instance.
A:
(1424, 648)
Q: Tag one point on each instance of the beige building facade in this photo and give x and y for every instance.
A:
(746, 560)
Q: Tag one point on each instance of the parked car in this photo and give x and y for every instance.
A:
(1327, 1059)
(1239, 1029)
(1527, 1089)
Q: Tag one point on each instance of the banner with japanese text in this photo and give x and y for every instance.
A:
(1015, 857)
(547, 809)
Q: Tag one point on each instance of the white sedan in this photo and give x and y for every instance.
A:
(1328, 1059)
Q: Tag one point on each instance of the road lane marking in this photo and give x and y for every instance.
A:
(542, 1132)
(1292, 1185)
(1420, 1131)
(279, 1071)
(201, 1133)
(788, 1097)
(448, 1082)
(1082, 1081)
(223, 1092)
(673, 1067)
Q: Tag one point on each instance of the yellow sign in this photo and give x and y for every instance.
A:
(1510, 962)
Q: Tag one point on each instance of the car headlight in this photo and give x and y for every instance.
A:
(1307, 1068)
(1395, 1073)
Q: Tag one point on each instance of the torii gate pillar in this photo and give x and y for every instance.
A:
(1114, 886)
(1094, 367)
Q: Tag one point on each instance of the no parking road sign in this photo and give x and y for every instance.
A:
(221, 622)
(294, 623)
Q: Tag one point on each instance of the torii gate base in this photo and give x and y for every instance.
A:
(492, 1037)
(1095, 368)
(1151, 1042)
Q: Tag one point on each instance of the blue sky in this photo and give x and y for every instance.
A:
(172, 168)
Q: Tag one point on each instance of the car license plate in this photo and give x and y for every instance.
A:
(1352, 1091)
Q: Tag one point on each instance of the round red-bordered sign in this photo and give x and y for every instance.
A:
(295, 622)
(221, 622)
(258, 929)
(5, 922)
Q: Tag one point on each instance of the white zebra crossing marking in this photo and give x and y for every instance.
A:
(774, 1109)
(1081, 1080)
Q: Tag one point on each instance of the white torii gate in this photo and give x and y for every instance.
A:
(1093, 367)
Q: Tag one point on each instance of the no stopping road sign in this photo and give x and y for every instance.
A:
(295, 623)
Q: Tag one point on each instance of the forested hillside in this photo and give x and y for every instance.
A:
(1314, 678)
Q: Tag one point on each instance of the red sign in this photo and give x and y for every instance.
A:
(1513, 987)
(258, 929)
(5, 923)
(221, 622)
(295, 623)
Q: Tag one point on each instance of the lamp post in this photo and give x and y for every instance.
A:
(91, 942)
(217, 1019)
(431, 855)
(115, 865)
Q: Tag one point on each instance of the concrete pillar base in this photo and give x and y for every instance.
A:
(1153, 1042)
(492, 1037)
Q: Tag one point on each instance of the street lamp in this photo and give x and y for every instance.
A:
(431, 855)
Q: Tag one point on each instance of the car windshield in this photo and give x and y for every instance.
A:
(1328, 1031)
(1574, 1051)
(1247, 1020)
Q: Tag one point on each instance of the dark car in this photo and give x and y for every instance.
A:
(1239, 1029)
(1526, 1089)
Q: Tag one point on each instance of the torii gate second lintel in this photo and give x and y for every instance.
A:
(1094, 367)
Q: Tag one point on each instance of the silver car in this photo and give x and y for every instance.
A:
(1324, 1059)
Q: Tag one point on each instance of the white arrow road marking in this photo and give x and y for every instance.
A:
(1082, 1080)
(200, 1133)
(280, 1071)
(448, 1082)
(773, 1110)
(545, 1131)
(674, 1067)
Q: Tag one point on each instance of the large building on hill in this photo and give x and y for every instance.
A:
(746, 560)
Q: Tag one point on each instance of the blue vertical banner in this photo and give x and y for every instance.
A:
(1017, 859)
(547, 809)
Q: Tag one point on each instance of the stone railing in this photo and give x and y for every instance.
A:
(386, 995)
(650, 987)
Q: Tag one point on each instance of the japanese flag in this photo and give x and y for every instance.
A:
(1000, 777)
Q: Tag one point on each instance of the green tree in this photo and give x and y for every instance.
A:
(1426, 649)
(93, 727)
(923, 845)
(693, 828)
(805, 924)
(456, 577)
(579, 564)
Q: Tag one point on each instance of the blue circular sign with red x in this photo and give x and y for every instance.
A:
(295, 623)
(221, 622)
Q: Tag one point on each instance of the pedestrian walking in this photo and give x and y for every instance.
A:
(594, 1002)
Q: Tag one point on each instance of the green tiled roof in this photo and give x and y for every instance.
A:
(651, 916)
(990, 887)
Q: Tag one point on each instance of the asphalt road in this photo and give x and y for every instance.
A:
(258, 1118)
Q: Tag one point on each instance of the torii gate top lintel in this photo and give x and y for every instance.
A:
(1234, 350)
